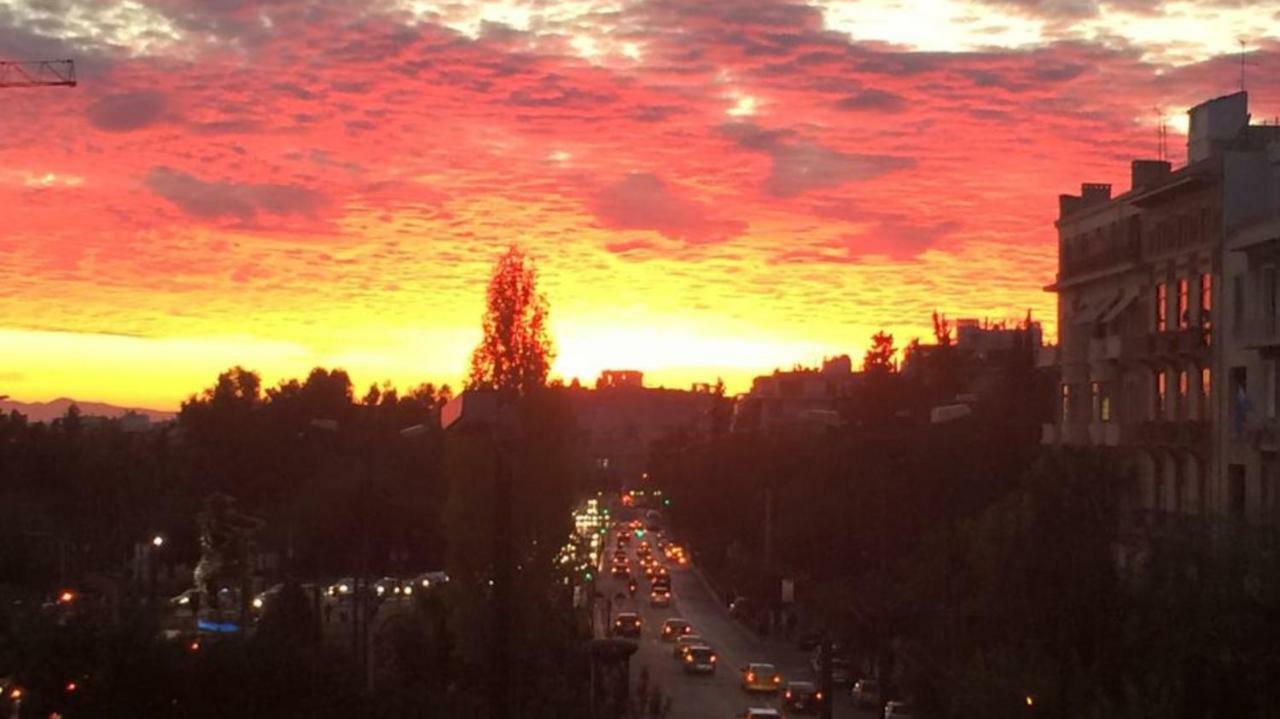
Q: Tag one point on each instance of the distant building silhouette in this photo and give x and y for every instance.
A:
(802, 395)
(1167, 317)
(621, 419)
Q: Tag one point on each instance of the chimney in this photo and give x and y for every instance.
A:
(1148, 173)
(1094, 193)
(1067, 204)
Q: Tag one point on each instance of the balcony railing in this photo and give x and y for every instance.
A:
(1104, 434)
(1182, 434)
(1102, 349)
(1261, 332)
(1116, 253)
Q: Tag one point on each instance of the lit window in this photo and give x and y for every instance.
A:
(1162, 391)
(1066, 403)
(1184, 303)
(1206, 382)
(1162, 307)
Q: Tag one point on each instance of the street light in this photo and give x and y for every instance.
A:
(157, 541)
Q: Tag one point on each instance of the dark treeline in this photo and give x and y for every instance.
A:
(80, 493)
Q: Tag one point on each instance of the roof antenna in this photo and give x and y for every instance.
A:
(1242, 53)
(1162, 137)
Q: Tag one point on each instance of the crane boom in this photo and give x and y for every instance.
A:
(38, 73)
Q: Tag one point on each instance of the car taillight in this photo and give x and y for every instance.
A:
(751, 677)
(713, 659)
(788, 694)
(777, 679)
(688, 657)
(818, 696)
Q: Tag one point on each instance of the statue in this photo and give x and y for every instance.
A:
(225, 541)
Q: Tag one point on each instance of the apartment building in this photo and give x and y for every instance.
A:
(1145, 363)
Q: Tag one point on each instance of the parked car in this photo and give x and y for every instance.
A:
(866, 693)
(898, 710)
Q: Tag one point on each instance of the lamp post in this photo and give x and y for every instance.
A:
(153, 606)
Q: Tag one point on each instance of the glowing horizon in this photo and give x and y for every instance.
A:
(709, 189)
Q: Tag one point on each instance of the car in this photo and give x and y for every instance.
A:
(429, 580)
(627, 624)
(741, 608)
(685, 641)
(700, 660)
(801, 698)
(269, 595)
(660, 598)
(674, 627)
(898, 710)
(866, 693)
(620, 571)
(761, 677)
(390, 588)
(761, 713)
(663, 583)
(342, 588)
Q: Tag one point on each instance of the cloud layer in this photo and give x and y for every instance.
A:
(338, 176)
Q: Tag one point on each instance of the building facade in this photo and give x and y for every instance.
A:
(1145, 362)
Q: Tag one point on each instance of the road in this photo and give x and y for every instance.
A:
(708, 696)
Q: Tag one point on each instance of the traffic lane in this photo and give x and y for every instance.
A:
(695, 696)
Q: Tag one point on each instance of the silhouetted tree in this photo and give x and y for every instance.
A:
(516, 351)
(879, 358)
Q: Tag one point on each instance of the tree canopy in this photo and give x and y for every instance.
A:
(516, 350)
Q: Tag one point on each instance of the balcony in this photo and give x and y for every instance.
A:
(1260, 334)
(1182, 434)
(1263, 435)
(1118, 253)
(1191, 342)
(1104, 349)
(1104, 434)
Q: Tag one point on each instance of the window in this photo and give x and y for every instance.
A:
(1104, 407)
(1206, 300)
(1238, 399)
(1066, 403)
(1237, 304)
(1184, 303)
(1269, 297)
(1095, 400)
(1162, 307)
(1235, 490)
(1162, 391)
(1184, 383)
(1206, 387)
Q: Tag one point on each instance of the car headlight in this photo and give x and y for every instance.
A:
(257, 602)
(408, 591)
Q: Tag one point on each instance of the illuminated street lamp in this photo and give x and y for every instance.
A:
(157, 541)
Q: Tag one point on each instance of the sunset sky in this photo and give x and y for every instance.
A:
(710, 188)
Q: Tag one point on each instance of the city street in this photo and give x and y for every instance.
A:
(720, 694)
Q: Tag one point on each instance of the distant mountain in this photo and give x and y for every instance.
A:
(47, 411)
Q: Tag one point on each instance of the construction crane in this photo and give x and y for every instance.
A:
(38, 73)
